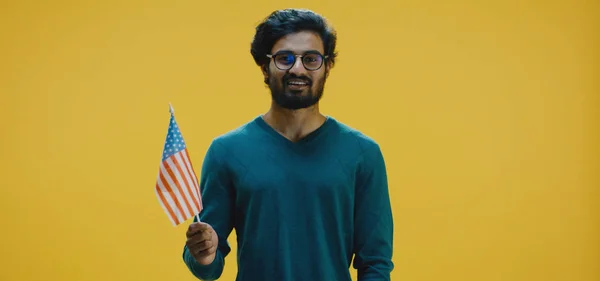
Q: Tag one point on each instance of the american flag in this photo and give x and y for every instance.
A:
(177, 185)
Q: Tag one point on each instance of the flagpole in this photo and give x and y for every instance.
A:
(172, 111)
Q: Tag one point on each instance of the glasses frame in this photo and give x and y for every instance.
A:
(323, 59)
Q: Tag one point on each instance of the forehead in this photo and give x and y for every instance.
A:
(299, 43)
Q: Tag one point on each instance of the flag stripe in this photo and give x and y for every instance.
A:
(176, 183)
(188, 186)
(184, 187)
(165, 205)
(190, 177)
(188, 164)
(176, 179)
(168, 200)
(169, 187)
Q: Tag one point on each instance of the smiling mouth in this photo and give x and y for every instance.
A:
(297, 83)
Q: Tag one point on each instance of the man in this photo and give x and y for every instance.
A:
(304, 192)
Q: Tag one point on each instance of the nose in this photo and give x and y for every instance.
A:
(298, 67)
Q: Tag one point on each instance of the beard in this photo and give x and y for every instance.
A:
(293, 100)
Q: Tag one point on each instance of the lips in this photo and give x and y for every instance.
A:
(294, 82)
(298, 83)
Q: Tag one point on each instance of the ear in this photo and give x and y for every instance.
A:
(265, 70)
(327, 69)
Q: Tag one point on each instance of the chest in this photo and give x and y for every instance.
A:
(296, 177)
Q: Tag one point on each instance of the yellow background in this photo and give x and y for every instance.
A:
(487, 112)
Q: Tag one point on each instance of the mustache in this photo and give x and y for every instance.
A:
(288, 77)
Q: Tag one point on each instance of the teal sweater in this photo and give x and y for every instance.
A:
(301, 211)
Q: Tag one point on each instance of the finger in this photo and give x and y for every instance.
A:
(206, 244)
(200, 235)
(199, 238)
(196, 227)
(205, 249)
(200, 248)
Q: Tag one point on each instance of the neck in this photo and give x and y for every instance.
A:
(294, 124)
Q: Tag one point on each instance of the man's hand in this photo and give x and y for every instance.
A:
(202, 242)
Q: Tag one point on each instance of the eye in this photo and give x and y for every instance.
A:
(312, 59)
(285, 59)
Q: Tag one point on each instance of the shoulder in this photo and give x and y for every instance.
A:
(355, 139)
(235, 136)
(228, 145)
(368, 157)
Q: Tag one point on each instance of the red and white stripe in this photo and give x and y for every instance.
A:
(177, 188)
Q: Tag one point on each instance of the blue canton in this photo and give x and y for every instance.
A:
(174, 142)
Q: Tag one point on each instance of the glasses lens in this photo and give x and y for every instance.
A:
(312, 61)
(284, 61)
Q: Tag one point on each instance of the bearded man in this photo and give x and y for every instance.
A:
(306, 194)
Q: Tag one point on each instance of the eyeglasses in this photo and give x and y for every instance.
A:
(285, 61)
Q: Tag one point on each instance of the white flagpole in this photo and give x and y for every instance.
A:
(171, 110)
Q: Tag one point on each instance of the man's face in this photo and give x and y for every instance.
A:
(292, 85)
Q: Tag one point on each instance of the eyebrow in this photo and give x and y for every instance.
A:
(290, 51)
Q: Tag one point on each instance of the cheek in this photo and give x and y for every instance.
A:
(275, 76)
(318, 79)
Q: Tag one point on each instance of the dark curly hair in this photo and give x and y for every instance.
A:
(283, 22)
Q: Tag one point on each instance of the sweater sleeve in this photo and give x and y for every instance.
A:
(218, 210)
(374, 231)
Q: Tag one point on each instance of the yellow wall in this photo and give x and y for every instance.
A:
(487, 113)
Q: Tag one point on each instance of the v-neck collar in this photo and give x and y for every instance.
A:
(305, 141)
